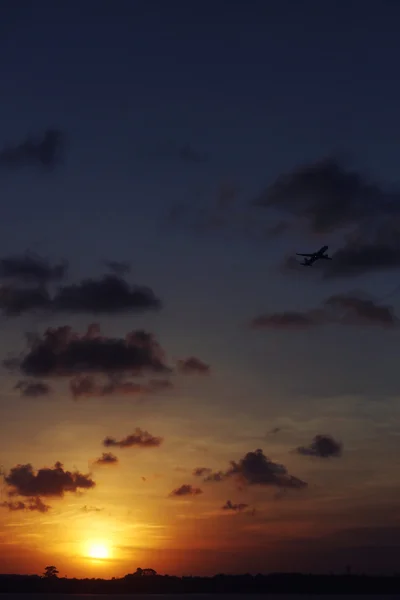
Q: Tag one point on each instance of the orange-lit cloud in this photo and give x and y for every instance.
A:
(107, 458)
(32, 504)
(140, 438)
(186, 490)
(23, 481)
(230, 506)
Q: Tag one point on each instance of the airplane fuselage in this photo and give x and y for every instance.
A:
(309, 259)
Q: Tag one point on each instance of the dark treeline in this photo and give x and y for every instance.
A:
(285, 583)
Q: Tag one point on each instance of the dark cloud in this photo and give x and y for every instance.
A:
(322, 446)
(362, 311)
(216, 476)
(14, 301)
(107, 458)
(287, 320)
(186, 490)
(257, 469)
(23, 481)
(234, 507)
(111, 294)
(363, 252)
(88, 509)
(159, 385)
(140, 438)
(87, 386)
(367, 251)
(31, 268)
(33, 389)
(32, 504)
(327, 196)
(62, 352)
(344, 309)
(193, 365)
(118, 267)
(45, 151)
(201, 471)
(275, 430)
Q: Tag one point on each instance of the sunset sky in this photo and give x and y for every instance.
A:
(176, 391)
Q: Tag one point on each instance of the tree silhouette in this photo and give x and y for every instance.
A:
(144, 572)
(50, 571)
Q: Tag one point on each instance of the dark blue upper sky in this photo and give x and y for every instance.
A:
(260, 86)
(257, 88)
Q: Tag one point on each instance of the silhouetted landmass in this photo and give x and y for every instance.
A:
(143, 581)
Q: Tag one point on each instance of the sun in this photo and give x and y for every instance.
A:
(98, 550)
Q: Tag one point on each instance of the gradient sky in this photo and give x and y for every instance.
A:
(177, 119)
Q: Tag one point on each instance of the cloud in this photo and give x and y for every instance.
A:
(327, 196)
(363, 252)
(63, 353)
(216, 476)
(33, 389)
(159, 385)
(140, 438)
(234, 507)
(343, 309)
(193, 365)
(322, 446)
(362, 311)
(275, 430)
(47, 481)
(201, 471)
(31, 268)
(118, 267)
(43, 152)
(108, 295)
(88, 509)
(15, 301)
(257, 469)
(111, 294)
(107, 458)
(186, 490)
(32, 504)
(367, 251)
(87, 386)
(288, 320)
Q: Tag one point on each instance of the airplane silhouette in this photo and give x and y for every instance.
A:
(315, 256)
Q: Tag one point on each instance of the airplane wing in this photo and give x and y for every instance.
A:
(298, 254)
